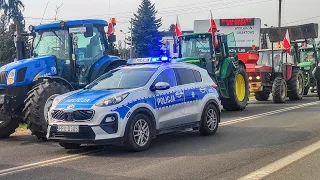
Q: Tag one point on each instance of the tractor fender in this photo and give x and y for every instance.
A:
(56, 79)
(242, 63)
(97, 72)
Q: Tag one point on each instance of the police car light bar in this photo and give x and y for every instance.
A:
(149, 60)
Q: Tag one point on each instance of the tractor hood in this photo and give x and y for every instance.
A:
(305, 64)
(85, 98)
(27, 69)
(191, 60)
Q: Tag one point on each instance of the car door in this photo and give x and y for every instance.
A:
(169, 103)
(192, 89)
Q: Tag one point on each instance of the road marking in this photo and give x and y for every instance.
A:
(82, 155)
(267, 114)
(271, 168)
(47, 162)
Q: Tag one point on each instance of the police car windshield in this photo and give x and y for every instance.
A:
(124, 78)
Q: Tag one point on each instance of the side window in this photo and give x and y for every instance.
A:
(197, 75)
(185, 76)
(90, 47)
(167, 76)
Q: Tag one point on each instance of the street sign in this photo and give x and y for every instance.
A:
(246, 31)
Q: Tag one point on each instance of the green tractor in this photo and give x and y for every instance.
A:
(309, 56)
(222, 64)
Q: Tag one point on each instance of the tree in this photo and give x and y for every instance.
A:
(7, 48)
(145, 31)
(12, 10)
(172, 27)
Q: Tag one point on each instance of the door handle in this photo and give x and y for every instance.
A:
(179, 94)
(203, 90)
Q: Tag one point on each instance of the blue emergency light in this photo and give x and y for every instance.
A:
(148, 60)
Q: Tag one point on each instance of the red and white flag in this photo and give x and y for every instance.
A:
(213, 29)
(178, 29)
(286, 42)
(110, 29)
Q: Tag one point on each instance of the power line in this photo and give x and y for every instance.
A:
(314, 17)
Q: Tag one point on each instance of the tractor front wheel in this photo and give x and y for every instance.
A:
(296, 85)
(238, 86)
(34, 111)
(8, 124)
(279, 90)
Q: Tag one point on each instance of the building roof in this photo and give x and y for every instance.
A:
(71, 23)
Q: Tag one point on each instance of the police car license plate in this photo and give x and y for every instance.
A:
(72, 129)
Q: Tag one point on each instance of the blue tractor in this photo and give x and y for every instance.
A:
(66, 56)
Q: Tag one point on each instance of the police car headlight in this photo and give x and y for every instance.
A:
(112, 101)
(55, 102)
(11, 76)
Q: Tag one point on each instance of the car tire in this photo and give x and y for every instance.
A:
(138, 130)
(210, 119)
(70, 145)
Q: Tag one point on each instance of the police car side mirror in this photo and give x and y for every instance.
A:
(160, 86)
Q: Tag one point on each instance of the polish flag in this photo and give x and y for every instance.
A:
(286, 42)
(178, 29)
(213, 29)
(110, 29)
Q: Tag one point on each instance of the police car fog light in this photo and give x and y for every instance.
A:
(109, 119)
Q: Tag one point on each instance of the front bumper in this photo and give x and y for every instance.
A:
(255, 87)
(89, 133)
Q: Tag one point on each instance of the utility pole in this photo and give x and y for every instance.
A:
(57, 9)
(280, 8)
(131, 44)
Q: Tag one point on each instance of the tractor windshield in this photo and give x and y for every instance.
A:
(196, 46)
(51, 43)
(265, 58)
(307, 55)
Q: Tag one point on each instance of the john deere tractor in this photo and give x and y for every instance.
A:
(308, 60)
(221, 62)
(66, 56)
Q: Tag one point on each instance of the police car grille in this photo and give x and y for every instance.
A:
(78, 115)
(3, 77)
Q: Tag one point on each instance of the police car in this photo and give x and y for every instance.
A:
(133, 104)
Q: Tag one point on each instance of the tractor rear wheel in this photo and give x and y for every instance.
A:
(279, 90)
(34, 111)
(261, 96)
(296, 85)
(306, 90)
(238, 86)
(8, 124)
(318, 88)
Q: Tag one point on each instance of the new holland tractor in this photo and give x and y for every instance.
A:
(309, 58)
(66, 56)
(221, 62)
(277, 70)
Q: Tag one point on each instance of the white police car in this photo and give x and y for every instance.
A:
(135, 103)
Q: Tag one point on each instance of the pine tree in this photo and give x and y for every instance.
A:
(145, 34)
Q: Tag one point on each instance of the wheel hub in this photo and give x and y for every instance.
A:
(211, 119)
(141, 132)
(240, 87)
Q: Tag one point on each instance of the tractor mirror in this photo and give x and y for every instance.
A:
(224, 39)
(89, 31)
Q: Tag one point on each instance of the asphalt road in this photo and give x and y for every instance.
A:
(274, 141)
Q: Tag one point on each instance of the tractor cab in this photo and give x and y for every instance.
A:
(75, 45)
(198, 48)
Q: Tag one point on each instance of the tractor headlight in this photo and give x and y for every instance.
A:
(11, 76)
(250, 78)
(258, 78)
(112, 101)
(307, 68)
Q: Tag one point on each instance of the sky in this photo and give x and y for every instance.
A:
(293, 12)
